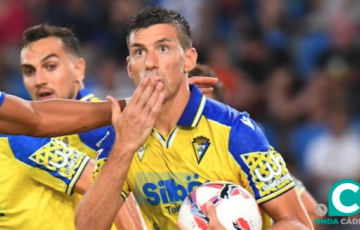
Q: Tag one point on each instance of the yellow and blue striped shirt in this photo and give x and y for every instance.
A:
(211, 142)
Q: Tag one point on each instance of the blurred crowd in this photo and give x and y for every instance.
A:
(293, 65)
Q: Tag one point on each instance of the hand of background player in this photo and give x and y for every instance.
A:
(203, 83)
(214, 223)
(134, 125)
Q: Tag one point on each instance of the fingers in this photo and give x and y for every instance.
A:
(210, 209)
(153, 97)
(148, 92)
(211, 214)
(203, 81)
(139, 91)
(206, 90)
(157, 106)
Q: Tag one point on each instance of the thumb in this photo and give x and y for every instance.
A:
(210, 210)
(115, 107)
(211, 214)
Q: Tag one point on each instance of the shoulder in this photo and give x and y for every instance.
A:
(219, 112)
(94, 138)
(246, 136)
(25, 145)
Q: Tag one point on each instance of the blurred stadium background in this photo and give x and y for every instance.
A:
(293, 65)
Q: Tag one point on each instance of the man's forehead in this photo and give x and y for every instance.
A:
(38, 50)
(154, 33)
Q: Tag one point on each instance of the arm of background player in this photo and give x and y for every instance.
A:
(128, 218)
(287, 212)
(310, 203)
(307, 199)
(104, 195)
(54, 117)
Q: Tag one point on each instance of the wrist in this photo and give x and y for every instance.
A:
(123, 145)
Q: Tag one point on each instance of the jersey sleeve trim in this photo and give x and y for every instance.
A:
(124, 195)
(276, 194)
(70, 188)
(2, 98)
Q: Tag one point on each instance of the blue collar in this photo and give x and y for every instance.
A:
(84, 95)
(194, 108)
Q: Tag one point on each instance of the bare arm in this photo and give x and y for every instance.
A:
(104, 195)
(287, 212)
(309, 203)
(128, 218)
(54, 117)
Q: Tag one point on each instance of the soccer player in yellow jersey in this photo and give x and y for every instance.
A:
(161, 152)
(217, 94)
(52, 68)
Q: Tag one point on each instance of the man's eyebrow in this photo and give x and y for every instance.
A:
(163, 40)
(27, 66)
(137, 45)
(158, 41)
(49, 56)
(42, 60)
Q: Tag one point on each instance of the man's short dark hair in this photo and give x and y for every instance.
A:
(153, 15)
(206, 71)
(42, 31)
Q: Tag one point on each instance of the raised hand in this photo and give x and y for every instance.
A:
(134, 125)
(204, 83)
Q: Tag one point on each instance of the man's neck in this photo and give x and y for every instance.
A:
(172, 110)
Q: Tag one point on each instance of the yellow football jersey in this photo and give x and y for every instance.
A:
(37, 179)
(86, 142)
(211, 142)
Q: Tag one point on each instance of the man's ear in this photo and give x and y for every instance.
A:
(80, 66)
(129, 67)
(190, 59)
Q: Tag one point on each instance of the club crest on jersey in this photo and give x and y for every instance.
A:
(200, 146)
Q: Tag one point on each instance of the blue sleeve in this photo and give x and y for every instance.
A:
(104, 151)
(2, 98)
(264, 169)
(94, 138)
(49, 161)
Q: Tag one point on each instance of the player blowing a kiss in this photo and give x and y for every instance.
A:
(157, 138)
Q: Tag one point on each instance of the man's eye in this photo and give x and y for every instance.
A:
(51, 67)
(28, 72)
(139, 52)
(164, 49)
